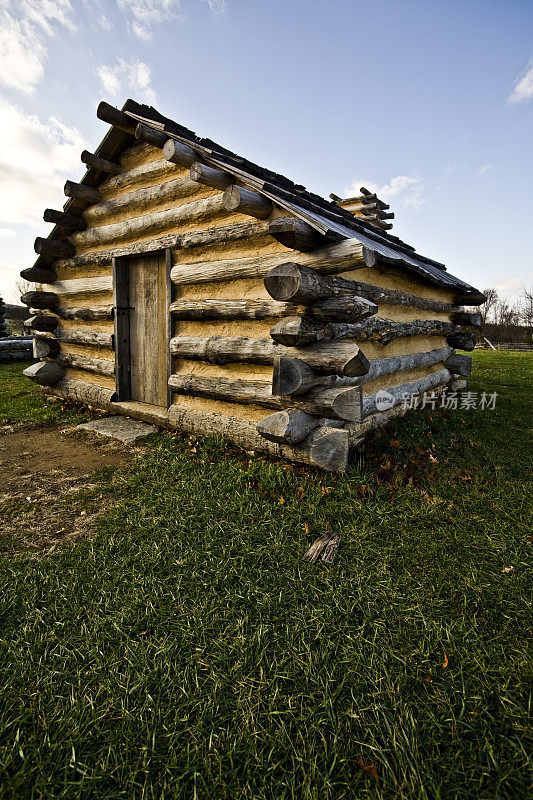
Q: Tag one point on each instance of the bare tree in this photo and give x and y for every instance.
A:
(22, 286)
(526, 310)
(487, 309)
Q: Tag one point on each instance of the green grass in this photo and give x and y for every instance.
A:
(22, 401)
(187, 652)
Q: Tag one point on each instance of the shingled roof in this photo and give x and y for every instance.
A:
(325, 216)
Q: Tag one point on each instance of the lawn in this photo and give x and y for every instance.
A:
(186, 651)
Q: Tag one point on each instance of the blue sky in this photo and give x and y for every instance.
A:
(429, 102)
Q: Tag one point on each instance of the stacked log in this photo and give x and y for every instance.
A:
(367, 206)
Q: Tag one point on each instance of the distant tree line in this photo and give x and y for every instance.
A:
(507, 322)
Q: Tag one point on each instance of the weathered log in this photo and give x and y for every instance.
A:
(81, 192)
(385, 400)
(152, 172)
(15, 345)
(467, 318)
(45, 348)
(113, 116)
(46, 373)
(340, 403)
(70, 221)
(344, 255)
(295, 233)
(245, 435)
(103, 283)
(54, 248)
(342, 358)
(244, 201)
(300, 331)
(42, 322)
(287, 427)
(208, 176)
(299, 283)
(470, 299)
(150, 223)
(178, 153)
(350, 308)
(92, 160)
(150, 135)
(88, 314)
(292, 376)
(39, 274)
(325, 546)
(89, 337)
(82, 392)
(40, 299)
(328, 448)
(145, 199)
(459, 365)
(462, 340)
(99, 366)
(223, 233)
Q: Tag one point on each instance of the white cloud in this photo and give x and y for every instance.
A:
(216, 6)
(404, 190)
(7, 233)
(523, 89)
(146, 14)
(35, 158)
(484, 169)
(24, 28)
(127, 78)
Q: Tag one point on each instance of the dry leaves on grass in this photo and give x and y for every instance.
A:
(370, 768)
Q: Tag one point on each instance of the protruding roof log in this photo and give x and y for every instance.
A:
(54, 248)
(40, 299)
(244, 201)
(113, 116)
(80, 191)
(112, 167)
(66, 220)
(210, 177)
(178, 153)
(295, 233)
(39, 275)
(150, 136)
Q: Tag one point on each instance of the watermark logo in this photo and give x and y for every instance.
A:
(384, 400)
(462, 401)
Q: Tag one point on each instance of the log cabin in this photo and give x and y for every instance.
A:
(186, 286)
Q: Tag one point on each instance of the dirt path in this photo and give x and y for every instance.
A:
(46, 493)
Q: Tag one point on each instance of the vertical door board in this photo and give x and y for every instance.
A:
(148, 329)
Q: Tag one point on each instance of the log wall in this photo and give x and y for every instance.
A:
(215, 255)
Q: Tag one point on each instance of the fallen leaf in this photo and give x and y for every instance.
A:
(395, 443)
(508, 569)
(426, 679)
(445, 662)
(306, 527)
(370, 768)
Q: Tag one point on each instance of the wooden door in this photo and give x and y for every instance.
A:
(148, 343)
